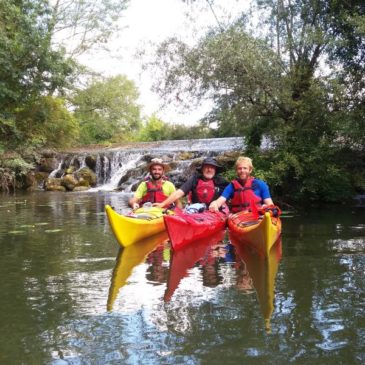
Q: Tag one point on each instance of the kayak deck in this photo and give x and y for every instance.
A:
(260, 233)
(133, 228)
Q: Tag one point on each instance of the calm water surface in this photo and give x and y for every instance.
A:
(70, 296)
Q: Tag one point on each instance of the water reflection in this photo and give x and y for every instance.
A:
(260, 271)
(216, 262)
(55, 284)
(184, 259)
(128, 258)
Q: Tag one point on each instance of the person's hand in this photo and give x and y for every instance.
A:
(159, 205)
(213, 207)
(135, 206)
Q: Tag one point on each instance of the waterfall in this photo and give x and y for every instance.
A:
(110, 169)
(123, 167)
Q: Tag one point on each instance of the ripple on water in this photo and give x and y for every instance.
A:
(350, 245)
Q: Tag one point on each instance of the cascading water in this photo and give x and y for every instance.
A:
(122, 167)
(114, 167)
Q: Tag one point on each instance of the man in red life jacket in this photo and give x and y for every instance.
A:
(204, 186)
(245, 190)
(156, 187)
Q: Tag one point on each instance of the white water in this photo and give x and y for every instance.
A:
(113, 164)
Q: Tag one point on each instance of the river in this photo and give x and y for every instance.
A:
(64, 300)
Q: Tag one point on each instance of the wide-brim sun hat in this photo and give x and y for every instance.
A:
(213, 162)
(160, 162)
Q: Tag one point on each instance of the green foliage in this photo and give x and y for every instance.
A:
(107, 110)
(156, 130)
(18, 165)
(47, 123)
(29, 67)
(269, 83)
(83, 25)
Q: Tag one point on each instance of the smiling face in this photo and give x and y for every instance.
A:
(208, 171)
(243, 170)
(157, 172)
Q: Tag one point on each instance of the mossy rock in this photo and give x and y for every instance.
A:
(90, 162)
(30, 181)
(53, 184)
(69, 182)
(82, 182)
(70, 170)
(88, 175)
(182, 156)
(47, 164)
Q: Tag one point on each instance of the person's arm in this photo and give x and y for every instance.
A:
(264, 192)
(268, 201)
(171, 199)
(227, 194)
(134, 202)
(136, 199)
(216, 204)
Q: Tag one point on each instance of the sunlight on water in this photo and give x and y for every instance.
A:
(69, 298)
(350, 245)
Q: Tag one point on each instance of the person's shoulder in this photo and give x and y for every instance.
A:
(142, 184)
(259, 182)
(168, 183)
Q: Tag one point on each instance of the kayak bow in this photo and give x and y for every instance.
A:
(142, 223)
(260, 233)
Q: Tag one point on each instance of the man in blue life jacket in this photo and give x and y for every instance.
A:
(203, 187)
(156, 187)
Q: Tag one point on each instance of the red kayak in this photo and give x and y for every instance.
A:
(184, 228)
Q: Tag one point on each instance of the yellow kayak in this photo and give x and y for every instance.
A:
(262, 271)
(142, 223)
(128, 258)
(260, 233)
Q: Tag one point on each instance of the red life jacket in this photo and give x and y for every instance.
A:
(243, 196)
(204, 191)
(154, 192)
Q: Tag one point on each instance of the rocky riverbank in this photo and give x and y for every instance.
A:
(83, 168)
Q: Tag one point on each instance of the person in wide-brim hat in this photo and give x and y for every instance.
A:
(155, 188)
(212, 162)
(202, 188)
(160, 162)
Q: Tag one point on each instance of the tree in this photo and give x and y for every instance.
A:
(47, 122)
(153, 130)
(157, 130)
(275, 85)
(107, 110)
(81, 25)
(29, 68)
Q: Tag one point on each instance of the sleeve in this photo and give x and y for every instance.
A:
(168, 188)
(141, 190)
(187, 186)
(263, 189)
(228, 191)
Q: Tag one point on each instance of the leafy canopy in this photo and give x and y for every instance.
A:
(107, 110)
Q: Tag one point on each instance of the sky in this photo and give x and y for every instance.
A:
(148, 22)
